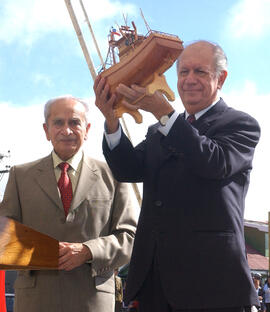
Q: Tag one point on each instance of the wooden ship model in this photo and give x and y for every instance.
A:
(142, 61)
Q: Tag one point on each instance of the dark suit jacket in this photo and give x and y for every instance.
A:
(194, 184)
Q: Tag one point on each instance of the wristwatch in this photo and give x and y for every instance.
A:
(165, 118)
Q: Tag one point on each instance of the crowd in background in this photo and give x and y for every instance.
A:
(263, 290)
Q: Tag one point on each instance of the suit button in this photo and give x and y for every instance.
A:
(158, 203)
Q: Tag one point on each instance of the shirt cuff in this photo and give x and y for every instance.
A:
(113, 139)
(166, 129)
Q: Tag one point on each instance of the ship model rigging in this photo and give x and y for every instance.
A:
(142, 60)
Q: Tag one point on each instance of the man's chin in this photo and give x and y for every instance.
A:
(192, 101)
(192, 98)
(66, 154)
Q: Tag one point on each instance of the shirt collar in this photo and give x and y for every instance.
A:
(74, 161)
(203, 111)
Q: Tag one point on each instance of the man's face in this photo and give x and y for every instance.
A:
(66, 127)
(197, 82)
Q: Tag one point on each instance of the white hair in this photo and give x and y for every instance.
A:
(48, 104)
(220, 58)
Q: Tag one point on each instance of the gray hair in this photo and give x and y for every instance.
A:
(220, 58)
(49, 103)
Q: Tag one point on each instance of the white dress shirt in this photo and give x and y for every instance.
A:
(113, 139)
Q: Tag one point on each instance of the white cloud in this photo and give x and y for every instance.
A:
(100, 9)
(257, 105)
(22, 133)
(24, 137)
(42, 79)
(28, 20)
(249, 18)
(25, 21)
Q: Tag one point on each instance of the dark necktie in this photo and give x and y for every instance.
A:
(65, 186)
(191, 118)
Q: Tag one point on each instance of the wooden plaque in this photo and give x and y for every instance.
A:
(22, 248)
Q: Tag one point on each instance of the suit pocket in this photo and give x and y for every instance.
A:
(215, 240)
(105, 283)
(99, 212)
(25, 279)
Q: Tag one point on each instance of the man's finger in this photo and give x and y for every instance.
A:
(133, 107)
(139, 89)
(96, 82)
(127, 92)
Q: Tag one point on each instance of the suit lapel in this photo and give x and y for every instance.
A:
(206, 120)
(89, 175)
(45, 177)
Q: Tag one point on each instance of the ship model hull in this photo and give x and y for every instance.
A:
(153, 56)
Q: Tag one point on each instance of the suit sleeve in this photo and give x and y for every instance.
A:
(225, 150)
(10, 206)
(114, 250)
(125, 161)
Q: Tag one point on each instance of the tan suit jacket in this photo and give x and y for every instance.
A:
(100, 216)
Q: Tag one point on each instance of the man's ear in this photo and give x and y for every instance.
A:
(45, 127)
(222, 77)
(86, 133)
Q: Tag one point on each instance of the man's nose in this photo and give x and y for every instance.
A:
(66, 130)
(191, 77)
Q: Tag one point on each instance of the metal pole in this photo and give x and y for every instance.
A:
(93, 72)
(92, 34)
(81, 39)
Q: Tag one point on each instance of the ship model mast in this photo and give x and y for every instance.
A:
(129, 41)
(142, 61)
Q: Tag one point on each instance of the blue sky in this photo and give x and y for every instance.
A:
(40, 58)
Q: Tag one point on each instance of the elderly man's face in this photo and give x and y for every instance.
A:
(66, 127)
(197, 81)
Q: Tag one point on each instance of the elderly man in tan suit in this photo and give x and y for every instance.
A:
(94, 221)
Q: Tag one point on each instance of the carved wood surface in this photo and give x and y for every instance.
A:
(155, 55)
(24, 248)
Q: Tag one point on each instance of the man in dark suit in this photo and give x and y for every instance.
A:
(189, 250)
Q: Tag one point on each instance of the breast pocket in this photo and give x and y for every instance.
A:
(94, 215)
